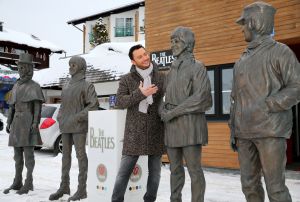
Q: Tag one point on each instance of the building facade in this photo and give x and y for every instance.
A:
(124, 23)
(219, 43)
(12, 44)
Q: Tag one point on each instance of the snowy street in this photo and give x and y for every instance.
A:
(221, 185)
(141, 75)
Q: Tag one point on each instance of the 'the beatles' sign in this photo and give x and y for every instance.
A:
(163, 59)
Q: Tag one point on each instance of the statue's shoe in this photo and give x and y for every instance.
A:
(59, 193)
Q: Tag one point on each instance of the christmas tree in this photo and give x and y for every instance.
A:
(99, 33)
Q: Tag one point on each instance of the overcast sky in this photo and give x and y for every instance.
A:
(47, 19)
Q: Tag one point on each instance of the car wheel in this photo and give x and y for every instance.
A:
(58, 145)
(37, 148)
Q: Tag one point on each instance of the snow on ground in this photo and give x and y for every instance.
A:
(221, 185)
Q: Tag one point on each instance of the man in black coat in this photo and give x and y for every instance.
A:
(140, 92)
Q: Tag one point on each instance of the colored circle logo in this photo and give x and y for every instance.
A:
(136, 173)
(101, 172)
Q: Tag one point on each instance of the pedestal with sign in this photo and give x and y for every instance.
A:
(105, 140)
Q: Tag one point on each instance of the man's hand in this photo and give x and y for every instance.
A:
(35, 128)
(152, 89)
(8, 128)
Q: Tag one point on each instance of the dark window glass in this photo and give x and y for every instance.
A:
(212, 84)
(221, 82)
(47, 111)
(227, 75)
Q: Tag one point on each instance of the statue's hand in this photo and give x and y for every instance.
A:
(8, 128)
(34, 128)
(233, 144)
(166, 115)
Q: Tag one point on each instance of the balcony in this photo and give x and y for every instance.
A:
(123, 31)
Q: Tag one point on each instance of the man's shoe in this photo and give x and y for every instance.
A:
(59, 193)
(78, 196)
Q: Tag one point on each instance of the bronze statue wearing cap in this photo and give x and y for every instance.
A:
(266, 84)
(23, 123)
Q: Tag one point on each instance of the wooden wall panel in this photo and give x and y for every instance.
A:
(219, 40)
(218, 152)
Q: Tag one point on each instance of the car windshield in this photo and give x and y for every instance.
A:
(47, 111)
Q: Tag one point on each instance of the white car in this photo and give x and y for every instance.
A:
(49, 128)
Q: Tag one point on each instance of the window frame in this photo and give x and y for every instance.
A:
(218, 97)
(127, 28)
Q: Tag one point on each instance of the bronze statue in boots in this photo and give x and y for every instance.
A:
(17, 184)
(22, 123)
(80, 194)
(29, 164)
(63, 189)
(78, 97)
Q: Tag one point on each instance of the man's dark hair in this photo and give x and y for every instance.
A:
(133, 48)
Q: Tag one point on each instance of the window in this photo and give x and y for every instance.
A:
(220, 77)
(91, 35)
(107, 101)
(211, 76)
(47, 111)
(124, 27)
(19, 51)
(227, 75)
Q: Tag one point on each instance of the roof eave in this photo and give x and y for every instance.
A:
(107, 13)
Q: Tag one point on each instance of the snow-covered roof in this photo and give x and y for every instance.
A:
(102, 13)
(106, 62)
(27, 39)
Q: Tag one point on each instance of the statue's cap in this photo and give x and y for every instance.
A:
(256, 8)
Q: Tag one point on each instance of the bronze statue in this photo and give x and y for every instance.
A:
(266, 85)
(78, 98)
(23, 123)
(188, 96)
(140, 92)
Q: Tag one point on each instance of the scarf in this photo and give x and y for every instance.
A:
(258, 43)
(145, 74)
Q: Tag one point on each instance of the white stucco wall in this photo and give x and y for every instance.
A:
(141, 23)
(49, 93)
(106, 88)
